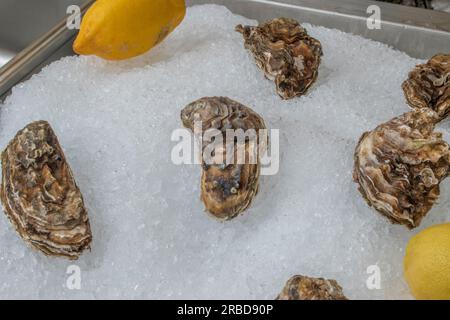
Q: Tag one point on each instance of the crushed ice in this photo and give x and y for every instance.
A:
(151, 237)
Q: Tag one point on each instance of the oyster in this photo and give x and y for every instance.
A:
(400, 164)
(227, 188)
(286, 53)
(428, 85)
(306, 288)
(40, 196)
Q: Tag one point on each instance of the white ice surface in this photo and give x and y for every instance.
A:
(151, 236)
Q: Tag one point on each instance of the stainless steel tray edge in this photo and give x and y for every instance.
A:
(420, 33)
(406, 29)
(29, 60)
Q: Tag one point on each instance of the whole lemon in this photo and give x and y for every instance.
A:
(122, 29)
(427, 263)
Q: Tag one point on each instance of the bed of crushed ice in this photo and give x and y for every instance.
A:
(151, 236)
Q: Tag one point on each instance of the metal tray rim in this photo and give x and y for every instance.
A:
(27, 61)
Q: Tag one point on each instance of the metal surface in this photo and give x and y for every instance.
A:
(418, 32)
(24, 21)
(21, 23)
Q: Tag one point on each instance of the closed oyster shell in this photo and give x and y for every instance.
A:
(428, 85)
(227, 190)
(306, 288)
(400, 164)
(286, 53)
(40, 196)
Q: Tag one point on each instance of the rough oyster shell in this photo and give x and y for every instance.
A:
(227, 190)
(286, 53)
(306, 288)
(428, 85)
(40, 196)
(400, 164)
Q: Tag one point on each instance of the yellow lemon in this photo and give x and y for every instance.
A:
(122, 29)
(427, 263)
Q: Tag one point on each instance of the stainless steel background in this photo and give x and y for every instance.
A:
(35, 33)
(420, 33)
(24, 21)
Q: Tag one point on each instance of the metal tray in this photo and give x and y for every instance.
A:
(418, 32)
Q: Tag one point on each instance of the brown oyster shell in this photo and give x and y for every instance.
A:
(286, 53)
(428, 85)
(40, 196)
(306, 288)
(400, 164)
(227, 190)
